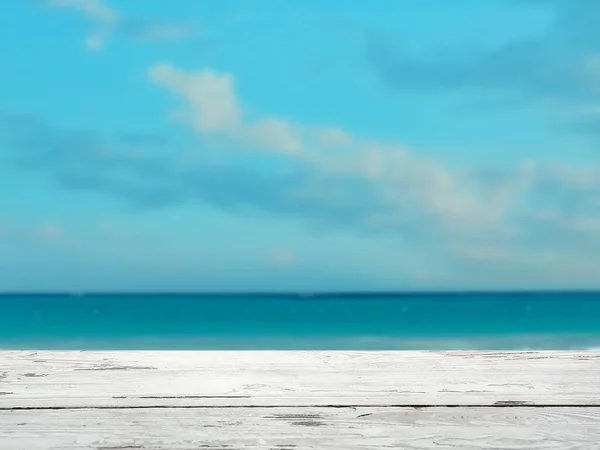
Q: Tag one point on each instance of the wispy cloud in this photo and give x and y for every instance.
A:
(103, 18)
(396, 176)
(148, 31)
(326, 177)
(532, 217)
(107, 21)
(375, 187)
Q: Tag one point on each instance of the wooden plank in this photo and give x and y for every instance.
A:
(306, 428)
(221, 378)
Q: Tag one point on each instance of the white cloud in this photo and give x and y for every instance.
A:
(107, 20)
(273, 134)
(213, 108)
(210, 96)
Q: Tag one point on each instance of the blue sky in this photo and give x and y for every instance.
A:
(303, 146)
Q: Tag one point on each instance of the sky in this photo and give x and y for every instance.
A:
(321, 145)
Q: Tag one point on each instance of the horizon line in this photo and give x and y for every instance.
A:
(332, 293)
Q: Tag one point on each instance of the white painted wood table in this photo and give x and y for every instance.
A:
(299, 400)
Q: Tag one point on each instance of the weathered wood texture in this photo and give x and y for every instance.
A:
(106, 379)
(301, 400)
(290, 428)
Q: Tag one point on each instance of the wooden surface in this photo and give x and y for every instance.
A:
(316, 428)
(300, 400)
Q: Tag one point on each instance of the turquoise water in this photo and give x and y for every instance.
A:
(499, 321)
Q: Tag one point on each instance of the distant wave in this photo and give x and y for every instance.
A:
(348, 343)
(508, 343)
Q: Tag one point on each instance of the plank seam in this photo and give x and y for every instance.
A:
(493, 406)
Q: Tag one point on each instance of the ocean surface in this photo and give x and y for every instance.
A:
(451, 321)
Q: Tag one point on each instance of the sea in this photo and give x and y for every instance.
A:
(325, 321)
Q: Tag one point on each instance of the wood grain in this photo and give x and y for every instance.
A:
(236, 379)
(290, 428)
(299, 400)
